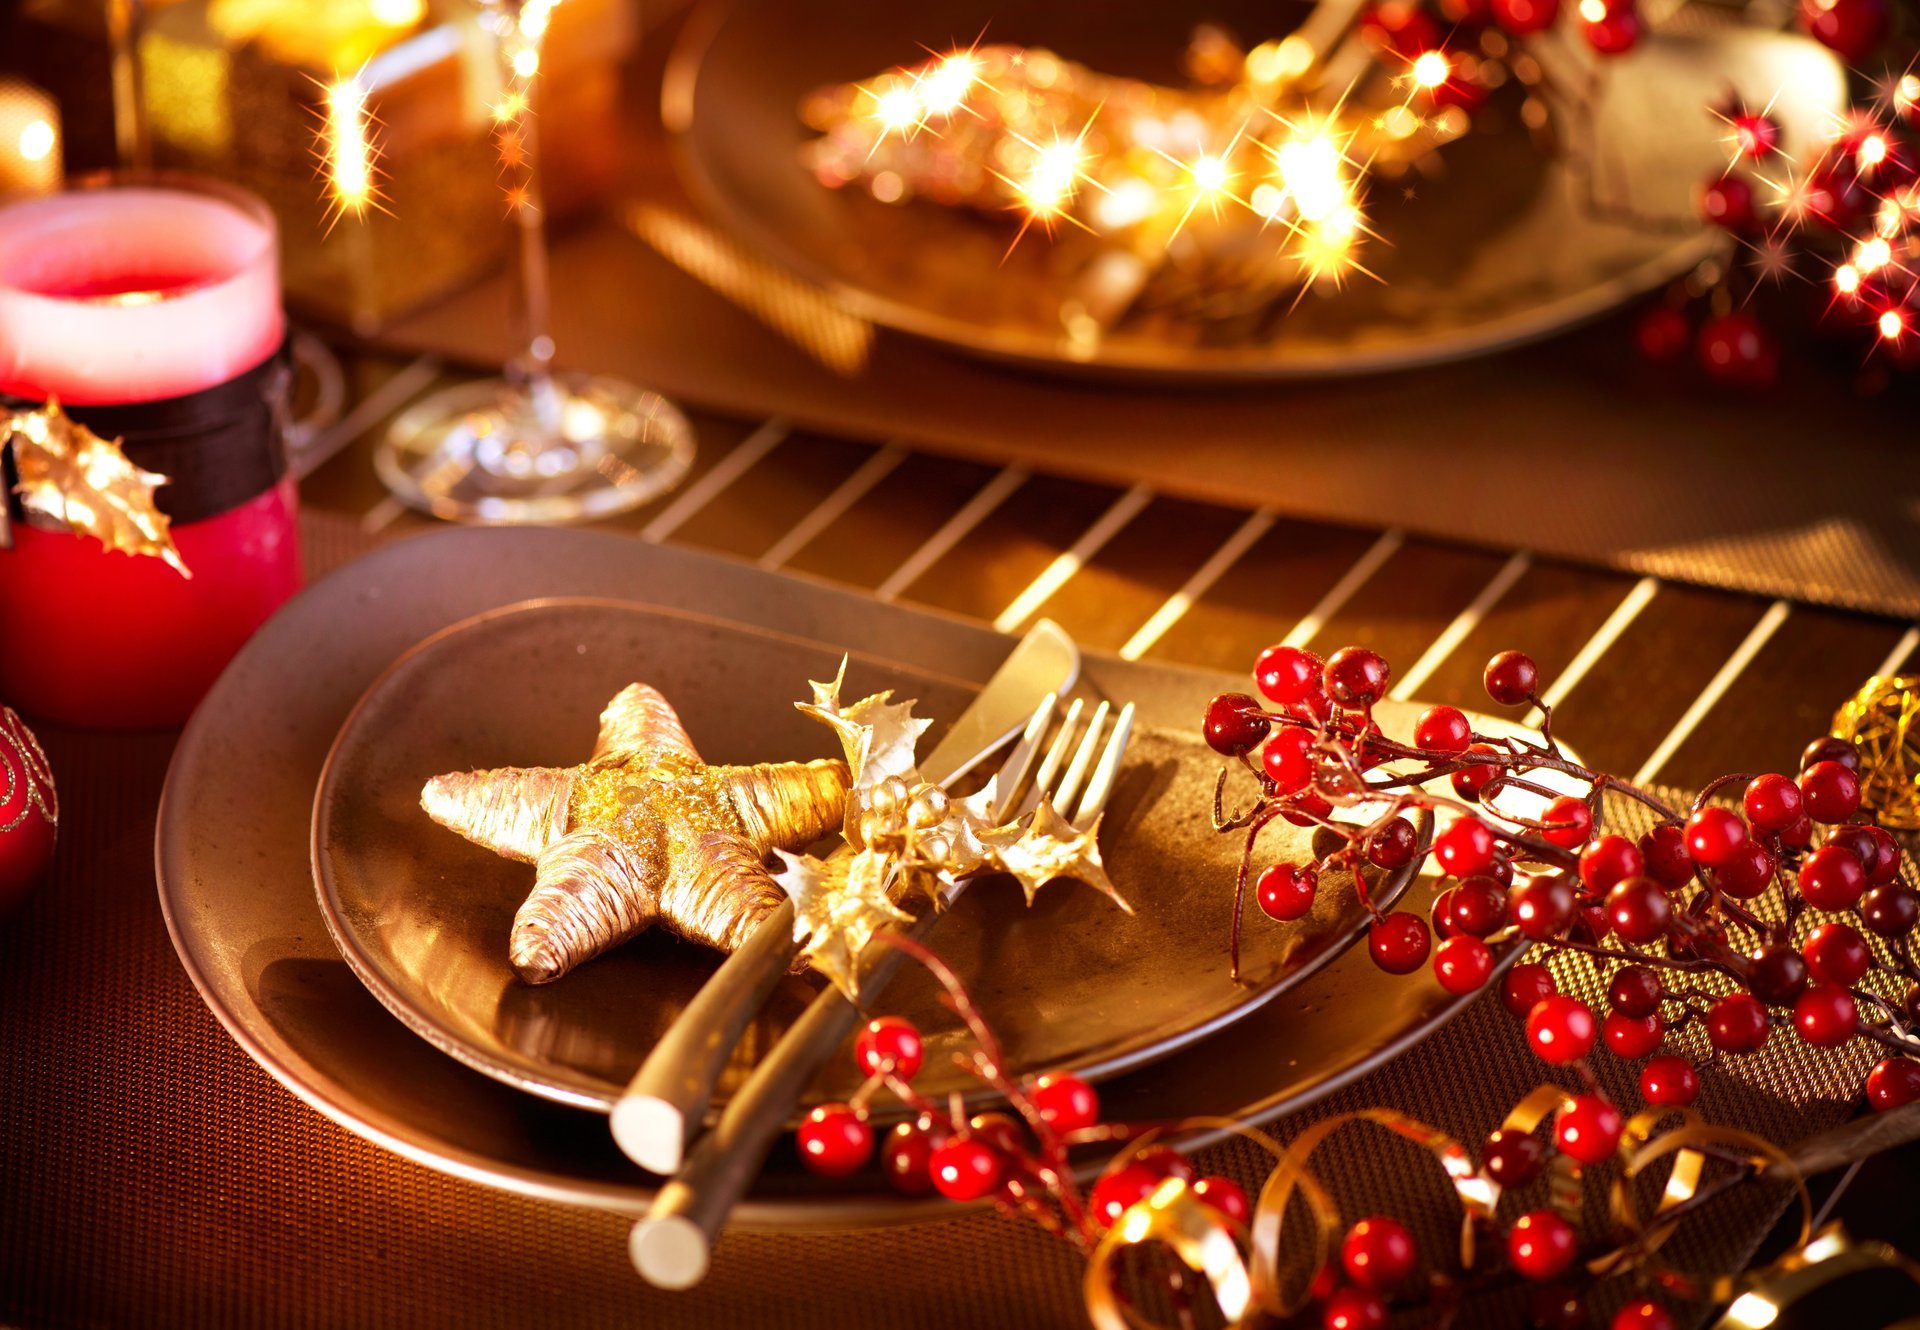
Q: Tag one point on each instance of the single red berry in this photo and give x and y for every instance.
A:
(1632, 1037)
(1287, 758)
(1747, 874)
(1735, 349)
(1830, 791)
(1890, 911)
(1525, 987)
(1714, 836)
(1663, 333)
(1851, 28)
(1771, 802)
(1799, 835)
(1610, 860)
(1837, 954)
(1469, 782)
(1502, 870)
(1634, 991)
(1560, 1029)
(1357, 677)
(1163, 1161)
(1589, 923)
(1892, 1083)
(1826, 1016)
(1443, 729)
(1754, 135)
(1119, 1191)
(1541, 907)
(1512, 1158)
(1521, 17)
(1567, 822)
(1462, 964)
(1669, 1081)
(965, 1169)
(1511, 677)
(1778, 975)
(1351, 1308)
(1587, 1128)
(1392, 846)
(907, 1153)
(1639, 910)
(834, 1140)
(889, 1043)
(1727, 202)
(1829, 749)
(1065, 1103)
(1401, 26)
(1665, 851)
(1477, 906)
(1378, 1253)
(1886, 857)
(1287, 674)
(1541, 1245)
(1857, 841)
(1615, 32)
(1285, 891)
(1441, 915)
(1832, 879)
(1737, 1023)
(1308, 809)
(1643, 1314)
(1235, 724)
(1399, 942)
(1001, 1131)
(1465, 848)
(1225, 1197)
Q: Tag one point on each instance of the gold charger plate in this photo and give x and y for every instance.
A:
(1505, 244)
(1070, 982)
(233, 861)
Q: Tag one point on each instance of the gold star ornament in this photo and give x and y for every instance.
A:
(643, 832)
(74, 480)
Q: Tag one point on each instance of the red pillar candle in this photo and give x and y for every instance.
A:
(145, 291)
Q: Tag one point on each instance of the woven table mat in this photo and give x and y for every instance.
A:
(151, 1174)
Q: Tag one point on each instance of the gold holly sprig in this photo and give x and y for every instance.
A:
(907, 836)
(80, 482)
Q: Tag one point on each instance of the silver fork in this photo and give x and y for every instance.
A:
(673, 1245)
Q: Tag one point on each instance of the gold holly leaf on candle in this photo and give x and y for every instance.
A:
(80, 482)
(642, 832)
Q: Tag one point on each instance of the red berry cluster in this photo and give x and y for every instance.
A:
(1848, 206)
(1684, 899)
(1018, 1157)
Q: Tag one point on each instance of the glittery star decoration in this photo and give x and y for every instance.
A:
(643, 832)
(80, 482)
(1882, 721)
(906, 836)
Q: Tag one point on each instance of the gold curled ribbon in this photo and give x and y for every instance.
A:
(1477, 1194)
(1172, 1214)
(1831, 1254)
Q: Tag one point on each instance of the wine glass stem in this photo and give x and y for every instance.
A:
(532, 366)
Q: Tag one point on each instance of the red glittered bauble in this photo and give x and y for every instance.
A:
(28, 810)
(1853, 28)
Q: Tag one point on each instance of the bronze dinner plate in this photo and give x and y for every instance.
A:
(1070, 983)
(1504, 242)
(236, 887)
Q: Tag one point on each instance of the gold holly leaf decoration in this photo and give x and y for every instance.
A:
(83, 483)
(1048, 848)
(839, 904)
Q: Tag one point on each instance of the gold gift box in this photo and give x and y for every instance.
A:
(238, 89)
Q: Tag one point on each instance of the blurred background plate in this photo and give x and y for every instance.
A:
(237, 891)
(1502, 243)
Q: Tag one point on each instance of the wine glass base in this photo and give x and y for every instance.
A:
(477, 452)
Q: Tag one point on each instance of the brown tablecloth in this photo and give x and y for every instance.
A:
(150, 1174)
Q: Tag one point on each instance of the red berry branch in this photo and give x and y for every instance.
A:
(1709, 890)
